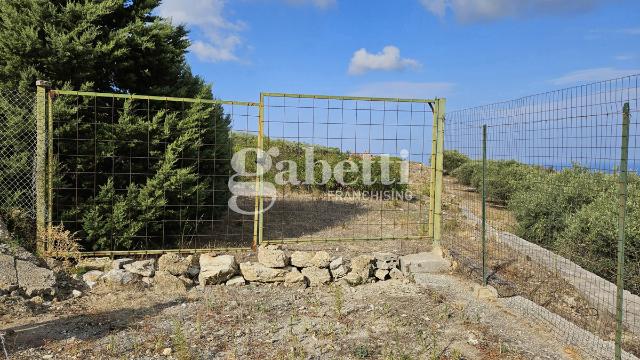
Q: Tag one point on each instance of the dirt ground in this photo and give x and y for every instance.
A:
(394, 319)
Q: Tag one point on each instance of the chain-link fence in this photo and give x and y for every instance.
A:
(549, 184)
(17, 152)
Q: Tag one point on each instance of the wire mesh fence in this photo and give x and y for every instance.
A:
(346, 168)
(17, 153)
(552, 206)
(147, 174)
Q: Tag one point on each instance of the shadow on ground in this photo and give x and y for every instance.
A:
(82, 327)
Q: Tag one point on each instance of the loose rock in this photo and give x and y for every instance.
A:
(396, 274)
(295, 278)
(317, 276)
(362, 265)
(302, 259)
(272, 257)
(120, 263)
(353, 279)
(258, 272)
(381, 274)
(386, 261)
(119, 277)
(166, 282)
(321, 259)
(236, 281)
(142, 267)
(174, 264)
(34, 280)
(217, 269)
(91, 278)
(8, 275)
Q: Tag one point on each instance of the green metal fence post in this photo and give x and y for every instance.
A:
(484, 205)
(622, 210)
(42, 87)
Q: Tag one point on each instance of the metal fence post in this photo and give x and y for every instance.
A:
(432, 168)
(42, 88)
(259, 206)
(622, 210)
(440, 108)
(484, 205)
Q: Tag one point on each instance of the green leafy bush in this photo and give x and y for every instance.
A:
(591, 235)
(293, 153)
(466, 172)
(543, 208)
(453, 159)
(151, 177)
(503, 178)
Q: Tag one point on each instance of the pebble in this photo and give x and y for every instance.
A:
(167, 351)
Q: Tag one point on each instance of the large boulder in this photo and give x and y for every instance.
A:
(119, 277)
(217, 269)
(8, 275)
(174, 264)
(143, 267)
(363, 266)
(35, 280)
(260, 273)
(317, 276)
(386, 261)
(321, 259)
(271, 256)
(302, 259)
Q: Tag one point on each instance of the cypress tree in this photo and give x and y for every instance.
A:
(177, 154)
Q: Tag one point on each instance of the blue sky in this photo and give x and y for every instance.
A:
(470, 51)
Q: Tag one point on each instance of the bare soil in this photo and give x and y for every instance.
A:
(393, 319)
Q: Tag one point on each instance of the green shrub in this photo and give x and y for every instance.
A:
(542, 209)
(452, 160)
(156, 189)
(591, 236)
(294, 154)
(503, 178)
(466, 172)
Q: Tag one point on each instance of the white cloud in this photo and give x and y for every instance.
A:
(387, 60)
(487, 10)
(322, 4)
(405, 89)
(592, 75)
(221, 36)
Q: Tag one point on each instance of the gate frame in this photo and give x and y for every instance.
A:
(44, 160)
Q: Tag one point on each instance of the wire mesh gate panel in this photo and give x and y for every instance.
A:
(552, 198)
(17, 154)
(147, 174)
(345, 168)
(142, 174)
